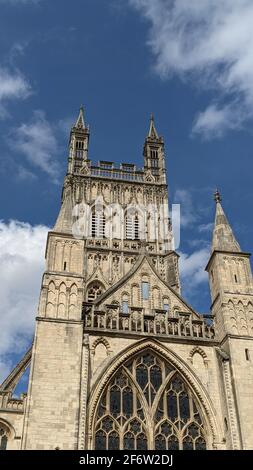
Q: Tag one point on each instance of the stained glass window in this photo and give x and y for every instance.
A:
(144, 390)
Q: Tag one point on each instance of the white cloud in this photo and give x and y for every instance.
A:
(209, 42)
(22, 249)
(214, 121)
(192, 268)
(12, 86)
(37, 142)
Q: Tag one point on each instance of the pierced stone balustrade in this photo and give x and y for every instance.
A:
(7, 402)
(156, 322)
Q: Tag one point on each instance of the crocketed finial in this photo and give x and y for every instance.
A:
(217, 196)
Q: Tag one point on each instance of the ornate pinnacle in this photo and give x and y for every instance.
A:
(217, 196)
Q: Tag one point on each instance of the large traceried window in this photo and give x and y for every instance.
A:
(147, 405)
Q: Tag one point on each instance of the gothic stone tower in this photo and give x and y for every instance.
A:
(119, 359)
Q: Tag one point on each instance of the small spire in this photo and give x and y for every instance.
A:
(223, 236)
(80, 120)
(152, 130)
(217, 196)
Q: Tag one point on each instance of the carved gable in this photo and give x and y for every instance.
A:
(143, 288)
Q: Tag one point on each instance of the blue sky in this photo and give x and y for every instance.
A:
(189, 64)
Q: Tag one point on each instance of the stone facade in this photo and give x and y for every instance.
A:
(119, 359)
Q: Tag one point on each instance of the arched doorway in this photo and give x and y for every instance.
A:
(147, 404)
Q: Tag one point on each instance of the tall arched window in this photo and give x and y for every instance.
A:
(4, 435)
(148, 405)
(132, 227)
(97, 222)
(94, 290)
(125, 303)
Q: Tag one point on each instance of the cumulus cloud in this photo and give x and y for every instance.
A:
(12, 86)
(215, 120)
(210, 43)
(36, 140)
(22, 249)
(192, 268)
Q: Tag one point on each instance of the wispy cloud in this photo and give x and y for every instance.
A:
(24, 174)
(188, 214)
(13, 85)
(22, 248)
(36, 140)
(205, 227)
(209, 43)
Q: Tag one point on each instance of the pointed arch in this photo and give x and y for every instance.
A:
(202, 401)
(156, 297)
(199, 350)
(101, 340)
(7, 433)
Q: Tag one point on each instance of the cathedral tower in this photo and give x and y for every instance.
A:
(119, 359)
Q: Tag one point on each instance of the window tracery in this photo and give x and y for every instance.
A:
(148, 405)
(94, 290)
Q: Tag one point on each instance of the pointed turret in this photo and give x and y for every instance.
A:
(223, 236)
(80, 120)
(78, 144)
(153, 152)
(152, 130)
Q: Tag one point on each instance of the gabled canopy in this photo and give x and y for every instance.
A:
(145, 262)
